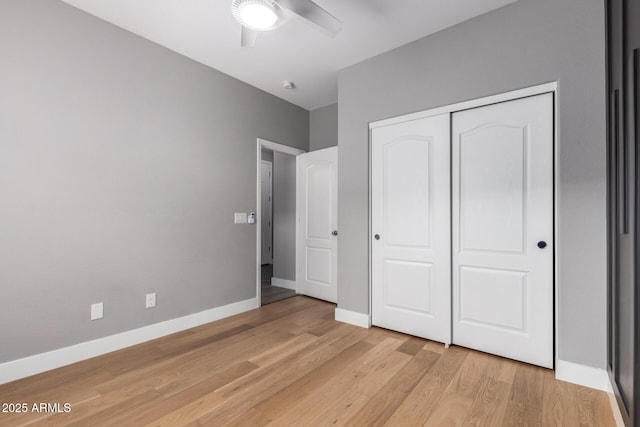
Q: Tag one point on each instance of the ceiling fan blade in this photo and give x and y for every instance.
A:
(313, 13)
(247, 37)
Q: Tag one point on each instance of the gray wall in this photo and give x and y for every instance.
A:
(284, 216)
(524, 44)
(121, 164)
(267, 155)
(323, 127)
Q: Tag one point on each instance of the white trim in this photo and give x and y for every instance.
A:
(284, 283)
(270, 145)
(370, 219)
(31, 365)
(557, 243)
(353, 318)
(465, 105)
(582, 375)
(274, 146)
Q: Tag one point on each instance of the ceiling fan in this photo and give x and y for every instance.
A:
(264, 15)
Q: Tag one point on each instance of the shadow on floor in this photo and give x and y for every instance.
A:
(269, 292)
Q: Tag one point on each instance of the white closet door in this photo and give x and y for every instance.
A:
(502, 180)
(410, 246)
(317, 248)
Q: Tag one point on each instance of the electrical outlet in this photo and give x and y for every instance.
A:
(151, 300)
(96, 311)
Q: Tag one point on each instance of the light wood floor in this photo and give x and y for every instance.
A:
(290, 364)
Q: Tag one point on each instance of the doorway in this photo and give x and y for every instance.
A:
(275, 225)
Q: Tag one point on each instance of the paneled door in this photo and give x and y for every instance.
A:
(317, 248)
(502, 234)
(410, 245)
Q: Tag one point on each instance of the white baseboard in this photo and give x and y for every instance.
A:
(31, 365)
(283, 283)
(353, 318)
(582, 375)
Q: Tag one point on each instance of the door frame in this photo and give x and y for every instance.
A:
(284, 149)
(551, 87)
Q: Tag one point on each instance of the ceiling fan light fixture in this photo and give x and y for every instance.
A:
(258, 15)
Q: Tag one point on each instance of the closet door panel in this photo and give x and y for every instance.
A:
(502, 202)
(410, 244)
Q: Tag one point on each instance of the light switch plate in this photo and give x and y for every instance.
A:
(151, 300)
(96, 311)
(240, 218)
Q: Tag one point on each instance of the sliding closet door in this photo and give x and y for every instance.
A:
(410, 245)
(502, 180)
(623, 40)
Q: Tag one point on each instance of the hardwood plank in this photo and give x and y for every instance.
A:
(420, 403)
(342, 407)
(412, 346)
(118, 414)
(253, 389)
(454, 407)
(593, 408)
(490, 404)
(326, 326)
(309, 385)
(273, 354)
(307, 354)
(560, 402)
(507, 370)
(425, 397)
(376, 335)
(194, 410)
(435, 347)
(300, 409)
(526, 400)
(528, 386)
(385, 402)
(468, 379)
(448, 365)
(451, 411)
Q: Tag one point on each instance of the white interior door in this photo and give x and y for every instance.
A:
(266, 210)
(317, 247)
(502, 180)
(411, 242)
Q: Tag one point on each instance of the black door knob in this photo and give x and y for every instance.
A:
(377, 237)
(334, 233)
(542, 244)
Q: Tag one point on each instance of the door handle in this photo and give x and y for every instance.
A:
(377, 237)
(542, 244)
(334, 233)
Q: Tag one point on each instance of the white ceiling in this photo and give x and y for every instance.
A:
(205, 31)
